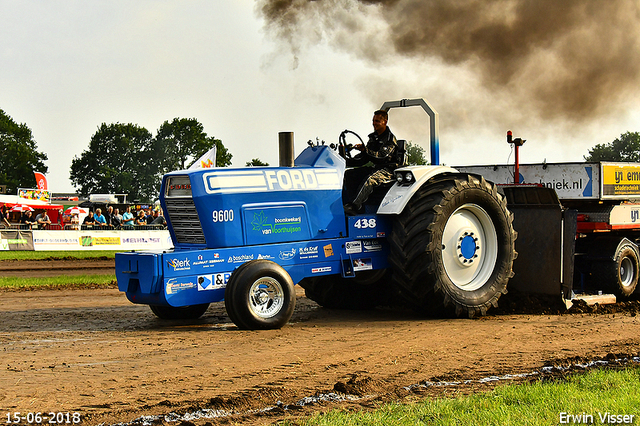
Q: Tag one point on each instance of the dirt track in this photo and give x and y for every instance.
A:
(93, 352)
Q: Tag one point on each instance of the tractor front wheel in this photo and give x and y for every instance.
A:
(260, 295)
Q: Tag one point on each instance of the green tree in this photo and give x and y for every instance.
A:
(415, 155)
(19, 156)
(120, 160)
(223, 156)
(624, 148)
(256, 162)
(182, 141)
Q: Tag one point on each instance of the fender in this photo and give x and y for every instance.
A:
(399, 195)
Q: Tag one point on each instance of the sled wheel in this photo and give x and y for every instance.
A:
(366, 290)
(453, 246)
(260, 295)
(627, 272)
(179, 313)
(620, 276)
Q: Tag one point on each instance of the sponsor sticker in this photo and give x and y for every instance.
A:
(328, 250)
(371, 245)
(172, 285)
(240, 258)
(353, 247)
(277, 225)
(310, 252)
(213, 281)
(179, 264)
(205, 263)
(288, 254)
(362, 264)
(319, 270)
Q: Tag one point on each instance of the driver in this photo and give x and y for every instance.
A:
(381, 150)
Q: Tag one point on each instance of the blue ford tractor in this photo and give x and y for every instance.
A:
(442, 240)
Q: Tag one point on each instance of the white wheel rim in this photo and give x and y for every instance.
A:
(626, 272)
(470, 247)
(266, 297)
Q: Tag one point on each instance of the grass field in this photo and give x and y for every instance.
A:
(59, 281)
(62, 280)
(602, 396)
(40, 255)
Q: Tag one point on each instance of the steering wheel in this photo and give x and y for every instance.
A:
(344, 148)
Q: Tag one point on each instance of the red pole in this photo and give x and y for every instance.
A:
(517, 174)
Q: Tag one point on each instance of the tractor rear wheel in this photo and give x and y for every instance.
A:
(179, 313)
(453, 246)
(260, 295)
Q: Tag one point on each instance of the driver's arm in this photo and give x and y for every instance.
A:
(358, 160)
(384, 154)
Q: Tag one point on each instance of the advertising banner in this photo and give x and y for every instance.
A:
(101, 240)
(16, 240)
(620, 179)
(34, 194)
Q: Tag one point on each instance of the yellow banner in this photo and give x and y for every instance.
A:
(99, 241)
(620, 179)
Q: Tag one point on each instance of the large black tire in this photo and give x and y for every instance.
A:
(179, 313)
(453, 246)
(620, 275)
(260, 295)
(366, 290)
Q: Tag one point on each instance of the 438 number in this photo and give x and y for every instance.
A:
(365, 223)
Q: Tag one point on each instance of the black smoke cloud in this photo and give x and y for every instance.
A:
(570, 59)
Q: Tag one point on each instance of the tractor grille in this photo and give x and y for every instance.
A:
(184, 220)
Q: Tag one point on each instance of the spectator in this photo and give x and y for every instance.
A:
(150, 217)
(108, 215)
(127, 217)
(158, 219)
(116, 219)
(5, 218)
(89, 220)
(141, 219)
(61, 218)
(100, 219)
(43, 221)
(74, 221)
(26, 220)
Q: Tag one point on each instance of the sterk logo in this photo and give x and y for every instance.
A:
(179, 264)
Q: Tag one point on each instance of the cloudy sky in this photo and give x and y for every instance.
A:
(248, 69)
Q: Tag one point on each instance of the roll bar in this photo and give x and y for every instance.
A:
(433, 122)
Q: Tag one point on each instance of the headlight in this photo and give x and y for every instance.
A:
(404, 178)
